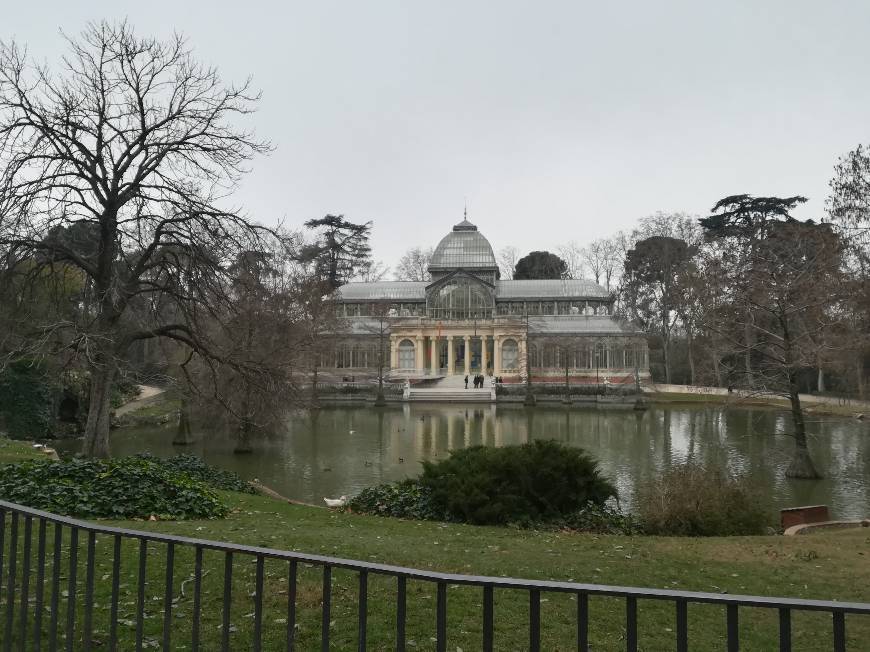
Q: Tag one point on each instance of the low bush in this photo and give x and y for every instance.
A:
(543, 482)
(196, 469)
(411, 500)
(26, 400)
(697, 500)
(129, 487)
(539, 481)
(599, 519)
(402, 499)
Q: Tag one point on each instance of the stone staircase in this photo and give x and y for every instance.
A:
(451, 389)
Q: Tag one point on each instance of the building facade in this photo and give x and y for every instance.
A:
(466, 320)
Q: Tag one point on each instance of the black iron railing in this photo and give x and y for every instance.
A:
(22, 615)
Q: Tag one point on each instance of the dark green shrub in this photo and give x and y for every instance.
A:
(697, 500)
(412, 500)
(129, 487)
(535, 482)
(26, 400)
(196, 469)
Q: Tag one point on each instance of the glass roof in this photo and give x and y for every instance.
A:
(396, 290)
(504, 290)
(578, 324)
(463, 248)
(550, 289)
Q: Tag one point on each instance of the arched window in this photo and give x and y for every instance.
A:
(406, 355)
(460, 298)
(510, 355)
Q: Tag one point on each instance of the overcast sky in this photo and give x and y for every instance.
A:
(555, 121)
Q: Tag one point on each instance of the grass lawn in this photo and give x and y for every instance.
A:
(12, 450)
(824, 566)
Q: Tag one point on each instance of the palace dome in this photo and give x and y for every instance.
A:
(463, 248)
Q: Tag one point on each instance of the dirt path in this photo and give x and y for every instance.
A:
(147, 396)
(738, 394)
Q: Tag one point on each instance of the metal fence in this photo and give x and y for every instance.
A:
(22, 615)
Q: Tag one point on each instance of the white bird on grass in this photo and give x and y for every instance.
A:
(336, 502)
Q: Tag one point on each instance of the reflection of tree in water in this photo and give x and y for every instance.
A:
(381, 445)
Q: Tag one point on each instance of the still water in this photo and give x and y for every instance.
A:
(341, 450)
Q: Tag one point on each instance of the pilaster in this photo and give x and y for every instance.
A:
(483, 356)
(433, 354)
(418, 353)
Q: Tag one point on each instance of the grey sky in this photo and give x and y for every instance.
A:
(556, 120)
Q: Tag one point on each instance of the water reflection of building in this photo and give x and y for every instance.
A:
(467, 320)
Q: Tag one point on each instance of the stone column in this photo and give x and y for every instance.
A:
(451, 356)
(433, 354)
(483, 360)
(521, 350)
(418, 353)
(496, 355)
(467, 354)
(394, 353)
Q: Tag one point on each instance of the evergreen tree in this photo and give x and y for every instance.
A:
(341, 250)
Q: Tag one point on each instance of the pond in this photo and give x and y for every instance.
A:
(340, 450)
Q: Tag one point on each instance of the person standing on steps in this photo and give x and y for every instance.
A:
(466, 382)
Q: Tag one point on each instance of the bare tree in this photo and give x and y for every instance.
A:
(741, 222)
(572, 253)
(604, 260)
(373, 271)
(679, 225)
(319, 327)
(414, 265)
(507, 261)
(849, 208)
(613, 261)
(379, 326)
(784, 290)
(133, 149)
(654, 270)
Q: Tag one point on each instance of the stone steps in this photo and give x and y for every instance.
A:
(450, 395)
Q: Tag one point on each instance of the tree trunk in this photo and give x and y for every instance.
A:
(748, 354)
(716, 369)
(380, 401)
(859, 373)
(667, 356)
(820, 385)
(243, 438)
(183, 436)
(96, 443)
(243, 435)
(314, 401)
(802, 464)
(690, 346)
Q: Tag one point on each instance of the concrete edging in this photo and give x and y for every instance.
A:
(806, 528)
